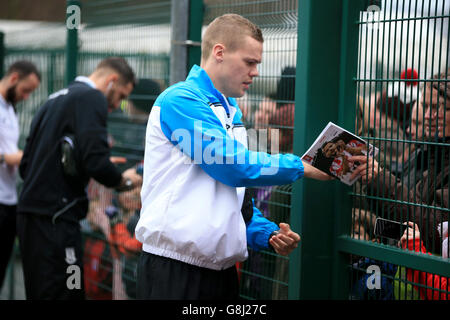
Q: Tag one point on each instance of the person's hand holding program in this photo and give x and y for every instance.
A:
(367, 170)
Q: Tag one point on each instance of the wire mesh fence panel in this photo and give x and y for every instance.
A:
(379, 280)
(403, 98)
(139, 31)
(268, 113)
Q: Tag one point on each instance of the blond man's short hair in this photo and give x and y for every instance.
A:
(230, 30)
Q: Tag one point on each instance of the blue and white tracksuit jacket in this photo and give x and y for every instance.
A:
(196, 168)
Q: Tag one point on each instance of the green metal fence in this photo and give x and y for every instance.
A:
(399, 53)
(269, 104)
(51, 65)
(328, 60)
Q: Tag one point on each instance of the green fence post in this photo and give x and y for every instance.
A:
(51, 73)
(72, 24)
(179, 47)
(196, 10)
(2, 54)
(347, 115)
(318, 90)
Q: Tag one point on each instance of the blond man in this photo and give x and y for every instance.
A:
(197, 218)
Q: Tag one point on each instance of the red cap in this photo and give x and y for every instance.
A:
(410, 74)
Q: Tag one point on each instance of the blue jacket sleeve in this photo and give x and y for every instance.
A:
(259, 229)
(190, 124)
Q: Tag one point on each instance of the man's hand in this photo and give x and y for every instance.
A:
(367, 170)
(285, 241)
(314, 173)
(13, 159)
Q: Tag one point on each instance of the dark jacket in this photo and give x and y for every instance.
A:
(426, 204)
(82, 112)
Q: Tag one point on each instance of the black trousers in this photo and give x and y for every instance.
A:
(52, 258)
(160, 278)
(7, 237)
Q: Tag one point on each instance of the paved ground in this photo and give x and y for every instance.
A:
(17, 290)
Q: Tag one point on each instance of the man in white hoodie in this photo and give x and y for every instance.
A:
(197, 219)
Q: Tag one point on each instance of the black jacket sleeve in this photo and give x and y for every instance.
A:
(36, 122)
(92, 138)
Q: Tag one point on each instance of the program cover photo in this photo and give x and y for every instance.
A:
(331, 150)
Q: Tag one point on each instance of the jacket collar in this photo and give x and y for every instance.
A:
(6, 104)
(199, 76)
(86, 80)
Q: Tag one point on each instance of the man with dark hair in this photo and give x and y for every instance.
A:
(119, 65)
(67, 146)
(21, 79)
